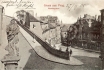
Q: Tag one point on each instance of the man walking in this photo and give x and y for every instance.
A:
(70, 52)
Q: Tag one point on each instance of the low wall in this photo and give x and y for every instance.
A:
(51, 50)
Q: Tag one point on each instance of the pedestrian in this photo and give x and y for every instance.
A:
(70, 52)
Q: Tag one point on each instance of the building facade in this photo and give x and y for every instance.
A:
(64, 34)
(51, 29)
(47, 28)
(88, 36)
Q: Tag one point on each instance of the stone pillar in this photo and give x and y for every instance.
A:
(10, 62)
(102, 38)
(1, 18)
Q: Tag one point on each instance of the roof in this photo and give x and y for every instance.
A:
(57, 24)
(43, 22)
(51, 25)
(45, 29)
(33, 19)
(46, 19)
(65, 27)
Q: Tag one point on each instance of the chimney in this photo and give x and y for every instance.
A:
(1, 19)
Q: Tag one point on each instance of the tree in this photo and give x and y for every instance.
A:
(72, 33)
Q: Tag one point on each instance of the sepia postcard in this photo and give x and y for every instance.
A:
(51, 34)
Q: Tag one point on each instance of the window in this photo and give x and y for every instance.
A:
(33, 26)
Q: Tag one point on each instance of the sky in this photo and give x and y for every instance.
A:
(68, 10)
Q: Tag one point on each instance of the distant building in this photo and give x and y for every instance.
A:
(64, 33)
(47, 30)
(35, 26)
(49, 19)
(89, 32)
(51, 29)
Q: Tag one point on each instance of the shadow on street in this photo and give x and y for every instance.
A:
(35, 62)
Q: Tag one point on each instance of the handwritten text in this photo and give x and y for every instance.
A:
(19, 4)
